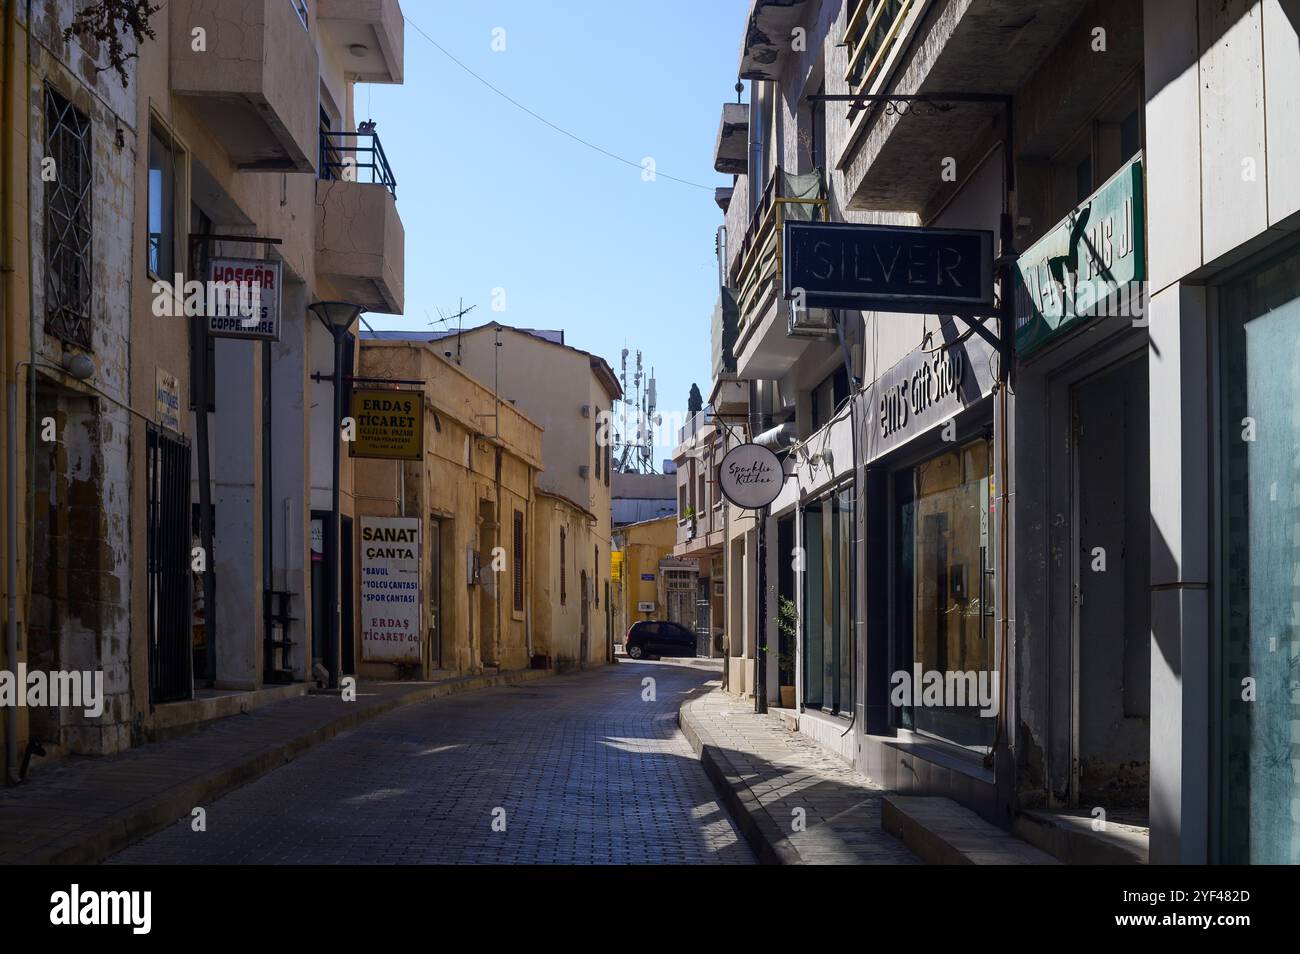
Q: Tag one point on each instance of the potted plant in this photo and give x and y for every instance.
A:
(787, 622)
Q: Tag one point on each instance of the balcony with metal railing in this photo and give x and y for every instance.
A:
(360, 240)
(356, 157)
(767, 341)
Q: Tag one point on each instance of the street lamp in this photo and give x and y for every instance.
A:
(338, 318)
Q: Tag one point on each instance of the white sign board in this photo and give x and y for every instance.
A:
(645, 606)
(243, 299)
(751, 476)
(390, 589)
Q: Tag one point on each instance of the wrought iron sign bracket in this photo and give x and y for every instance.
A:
(903, 104)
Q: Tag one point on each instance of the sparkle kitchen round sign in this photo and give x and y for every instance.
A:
(751, 476)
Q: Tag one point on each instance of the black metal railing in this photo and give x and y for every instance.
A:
(355, 157)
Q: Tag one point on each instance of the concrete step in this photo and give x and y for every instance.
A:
(941, 832)
(1070, 837)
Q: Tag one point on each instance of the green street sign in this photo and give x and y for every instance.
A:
(1091, 264)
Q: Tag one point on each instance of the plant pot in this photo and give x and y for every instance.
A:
(787, 697)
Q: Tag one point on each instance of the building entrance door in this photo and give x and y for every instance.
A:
(1111, 612)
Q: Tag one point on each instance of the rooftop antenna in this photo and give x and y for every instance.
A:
(458, 315)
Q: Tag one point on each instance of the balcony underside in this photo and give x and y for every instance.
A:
(245, 84)
(360, 244)
(766, 350)
(970, 46)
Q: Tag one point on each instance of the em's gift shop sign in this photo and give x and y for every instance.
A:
(390, 589)
(1092, 263)
(888, 268)
(389, 424)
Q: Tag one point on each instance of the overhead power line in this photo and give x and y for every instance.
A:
(542, 119)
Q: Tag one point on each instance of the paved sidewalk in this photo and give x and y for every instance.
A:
(82, 809)
(771, 778)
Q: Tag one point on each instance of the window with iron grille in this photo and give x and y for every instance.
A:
(519, 562)
(67, 221)
(563, 589)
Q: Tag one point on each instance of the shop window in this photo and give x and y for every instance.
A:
(943, 604)
(827, 622)
(1258, 752)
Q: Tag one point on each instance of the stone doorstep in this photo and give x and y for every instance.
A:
(106, 836)
(941, 832)
(174, 718)
(1071, 838)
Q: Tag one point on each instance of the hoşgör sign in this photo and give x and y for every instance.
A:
(389, 424)
(751, 476)
(1092, 263)
(244, 298)
(390, 589)
(888, 267)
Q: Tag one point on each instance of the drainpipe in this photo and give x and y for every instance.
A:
(11, 396)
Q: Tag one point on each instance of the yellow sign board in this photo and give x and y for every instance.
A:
(389, 424)
(616, 566)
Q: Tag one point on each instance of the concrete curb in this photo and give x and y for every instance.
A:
(142, 820)
(746, 811)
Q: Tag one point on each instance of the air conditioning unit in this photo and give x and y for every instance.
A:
(810, 323)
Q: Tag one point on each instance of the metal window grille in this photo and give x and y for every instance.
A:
(67, 221)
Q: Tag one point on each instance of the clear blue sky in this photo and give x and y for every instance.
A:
(490, 197)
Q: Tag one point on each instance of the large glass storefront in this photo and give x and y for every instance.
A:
(827, 623)
(943, 601)
(1259, 737)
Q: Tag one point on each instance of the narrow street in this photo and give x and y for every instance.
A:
(585, 770)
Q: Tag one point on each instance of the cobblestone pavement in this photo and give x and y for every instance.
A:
(579, 767)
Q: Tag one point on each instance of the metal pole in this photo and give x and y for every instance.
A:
(334, 655)
(760, 657)
(199, 347)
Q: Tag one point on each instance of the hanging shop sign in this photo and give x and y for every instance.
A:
(925, 390)
(167, 399)
(389, 424)
(1092, 264)
(243, 298)
(390, 589)
(888, 267)
(751, 476)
